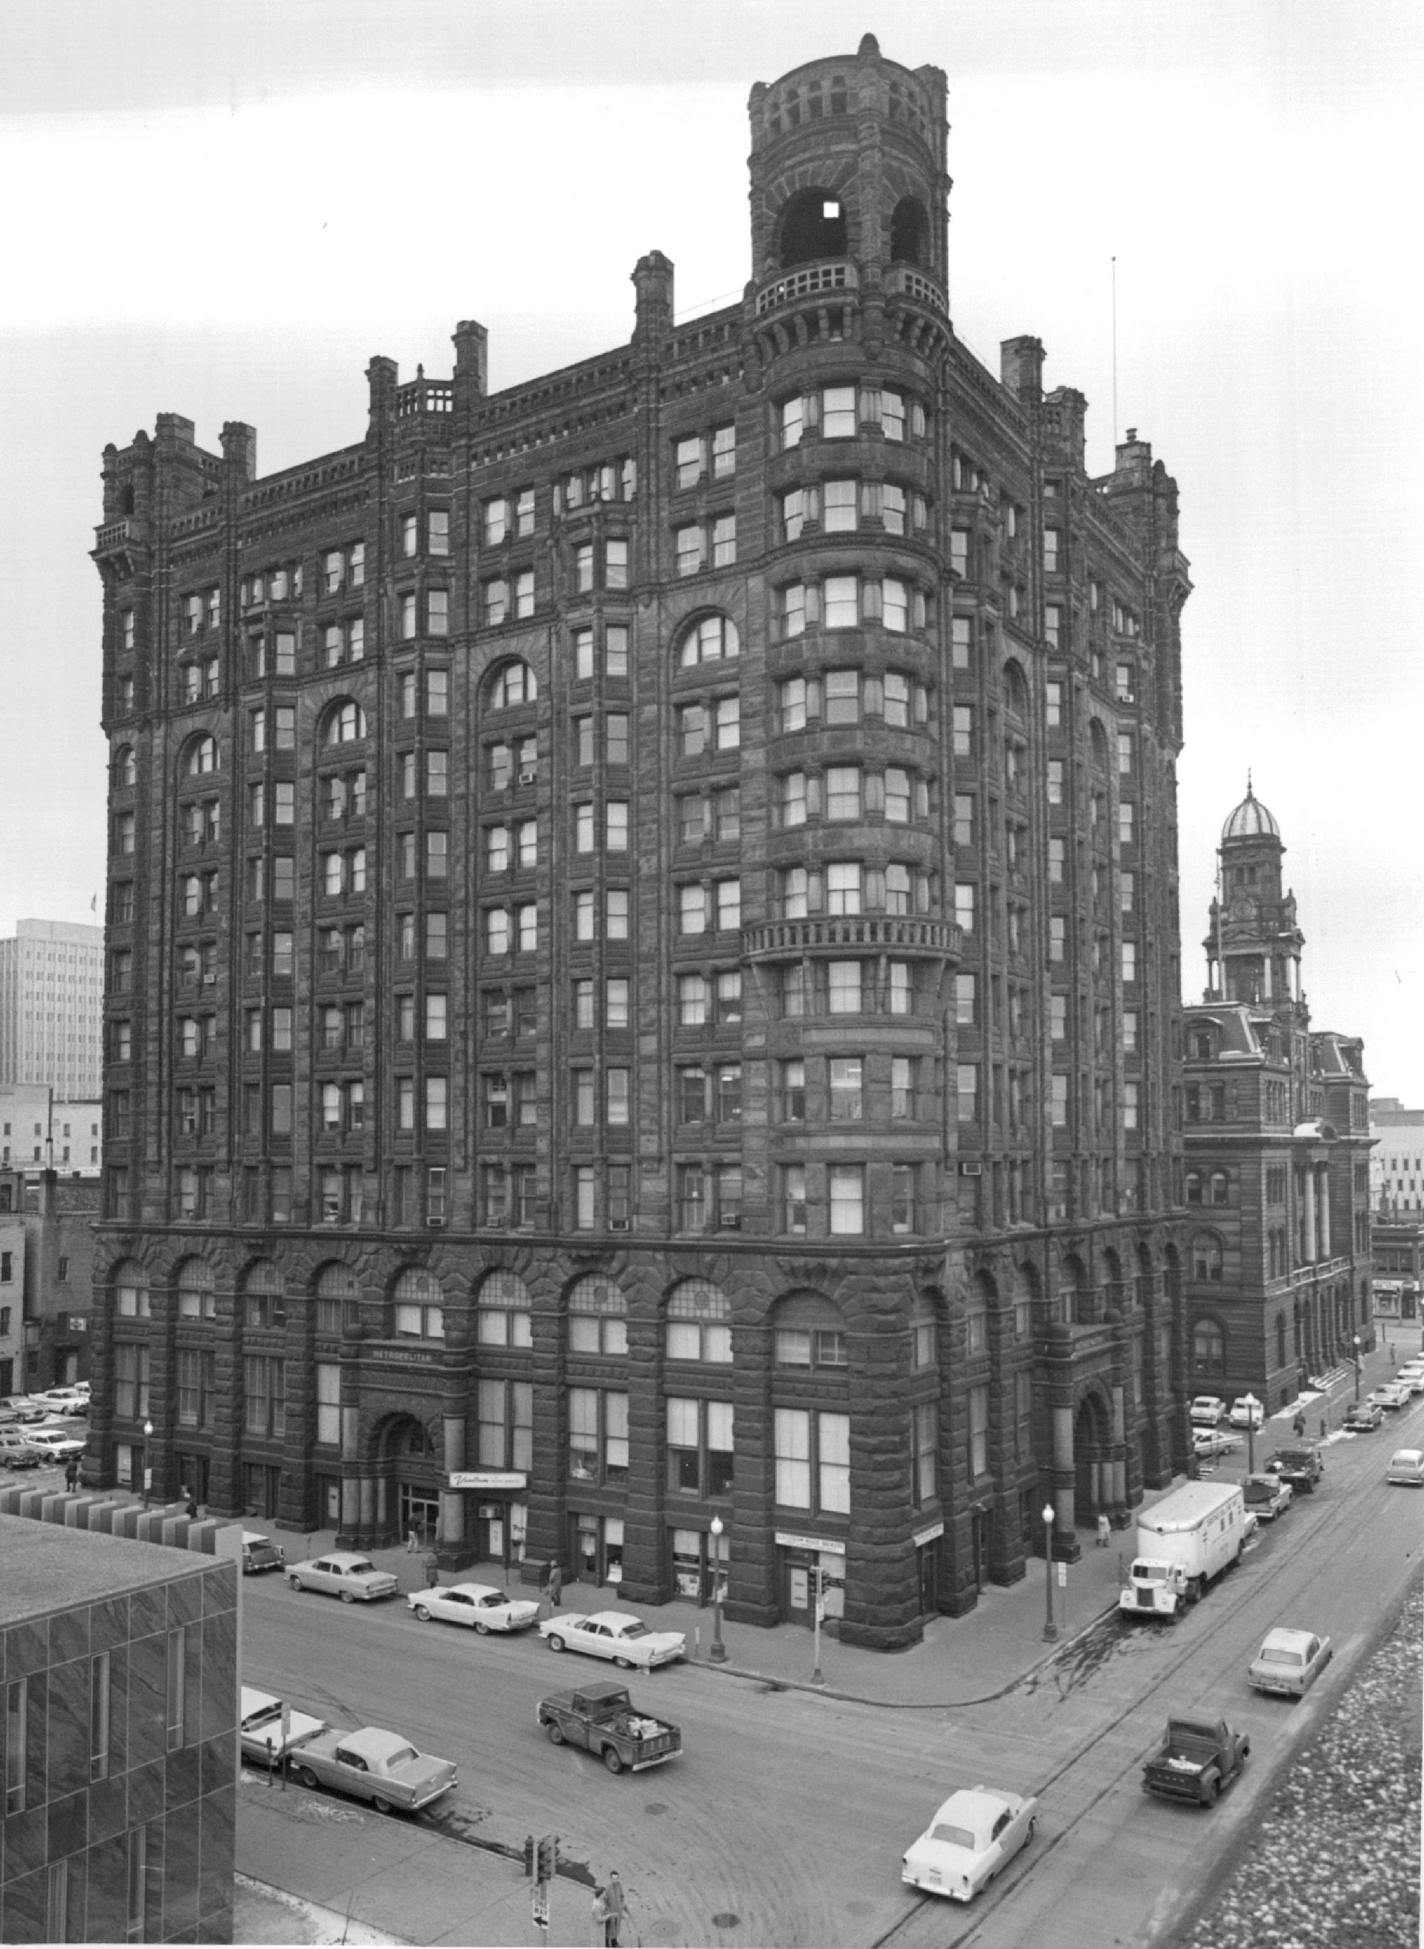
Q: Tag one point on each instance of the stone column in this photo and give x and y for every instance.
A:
(1322, 1207)
(450, 1544)
(1064, 1482)
(1309, 1241)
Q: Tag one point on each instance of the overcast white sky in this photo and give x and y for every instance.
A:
(224, 210)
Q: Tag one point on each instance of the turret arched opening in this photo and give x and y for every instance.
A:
(813, 225)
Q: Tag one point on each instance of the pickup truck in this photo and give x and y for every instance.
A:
(374, 1765)
(1300, 1465)
(602, 1718)
(1197, 1758)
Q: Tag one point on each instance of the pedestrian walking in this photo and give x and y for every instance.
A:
(71, 1473)
(556, 1585)
(412, 1542)
(600, 1913)
(1104, 1530)
(1390, 1344)
(432, 1570)
(1298, 1426)
(190, 1507)
(616, 1903)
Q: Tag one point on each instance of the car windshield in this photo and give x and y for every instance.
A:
(263, 1716)
(1277, 1655)
(634, 1630)
(493, 1597)
(402, 1756)
(356, 1569)
(951, 1836)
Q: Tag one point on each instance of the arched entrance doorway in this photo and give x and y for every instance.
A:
(407, 1458)
(1092, 1459)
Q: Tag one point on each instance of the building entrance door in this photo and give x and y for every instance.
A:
(418, 1510)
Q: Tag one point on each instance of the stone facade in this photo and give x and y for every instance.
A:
(1277, 1147)
(659, 937)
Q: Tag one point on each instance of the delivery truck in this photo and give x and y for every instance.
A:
(1183, 1542)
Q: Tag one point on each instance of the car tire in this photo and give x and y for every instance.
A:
(295, 1582)
(612, 1759)
(348, 1597)
(422, 1613)
(1031, 1829)
(1209, 1792)
(625, 1664)
(481, 1628)
(304, 1776)
(554, 1641)
(381, 1806)
(555, 1732)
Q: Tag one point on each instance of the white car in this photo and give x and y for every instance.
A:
(1211, 1441)
(1246, 1412)
(53, 1444)
(268, 1729)
(974, 1835)
(1411, 1375)
(480, 1606)
(17, 1451)
(1289, 1662)
(1392, 1395)
(25, 1408)
(1406, 1467)
(344, 1574)
(1206, 1410)
(617, 1635)
(63, 1400)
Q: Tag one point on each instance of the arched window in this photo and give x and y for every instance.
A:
(263, 1301)
(1209, 1347)
(336, 1293)
(909, 229)
(202, 757)
(345, 723)
(810, 1333)
(812, 225)
(419, 1306)
(1015, 692)
(1194, 1187)
(1206, 1256)
(598, 1322)
(131, 1295)
(977, 1303)
(1075, 1296)
(502, 1311)
(125, 767)
(512, 683)
(1097, 746)
(197, 1291)
(708, 639)
(924, 1332)
(1220, 1188)
(699, 1322)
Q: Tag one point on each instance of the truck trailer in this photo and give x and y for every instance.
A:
(1184, 1542)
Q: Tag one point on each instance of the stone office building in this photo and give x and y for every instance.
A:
(1277, 1137)
(643, 974)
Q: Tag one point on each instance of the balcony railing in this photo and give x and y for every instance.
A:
(807, 281)
(888, 933)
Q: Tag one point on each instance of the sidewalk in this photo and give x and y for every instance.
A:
(372, 1880)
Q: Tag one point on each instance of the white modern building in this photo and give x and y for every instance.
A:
(51, 995)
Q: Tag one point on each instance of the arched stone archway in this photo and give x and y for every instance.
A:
(401, 1482)
(1093, 1458)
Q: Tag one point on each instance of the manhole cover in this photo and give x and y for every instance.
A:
(725, 1921)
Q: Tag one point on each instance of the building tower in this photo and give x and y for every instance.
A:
(1277, 1140)
(664, 996)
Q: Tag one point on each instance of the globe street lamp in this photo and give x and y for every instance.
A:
(1050, 1629)
(717, 1651)
(1357, 1369)
(147, 1459)
(1253, 1408)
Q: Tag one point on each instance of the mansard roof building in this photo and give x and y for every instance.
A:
(1277, 1139)
(642, 939)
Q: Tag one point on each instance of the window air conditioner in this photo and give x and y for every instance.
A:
(528, 777)
(967, 1170)
(618, 1224)
(435, 1223)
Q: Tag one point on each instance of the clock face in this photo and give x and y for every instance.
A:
(1244, 906)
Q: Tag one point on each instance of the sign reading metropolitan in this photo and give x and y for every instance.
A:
(488, 1479)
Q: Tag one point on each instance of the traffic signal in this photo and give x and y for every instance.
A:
(548, 1858)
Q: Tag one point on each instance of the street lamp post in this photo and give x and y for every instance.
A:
(717, 1651)
(1050, 1629)
(147, 1460)
(1357, 1369)
(1252, 1407)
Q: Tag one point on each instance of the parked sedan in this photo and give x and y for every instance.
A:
(25, 1408)
(1246, 1412)
(617, 1635)
(1268, 1496)
(1411, 1375)
(63, 1400)
(1289, 1662)
(1406, 1467)
(1363, 1418)
(1393, 1395)
(17, 1451)
(1212, 1441)
(973, 1836)
(1206, 1410)
(268, 1730)
(53, 1444)
(354, 1579)
(479, 1606)
(374, 1765)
